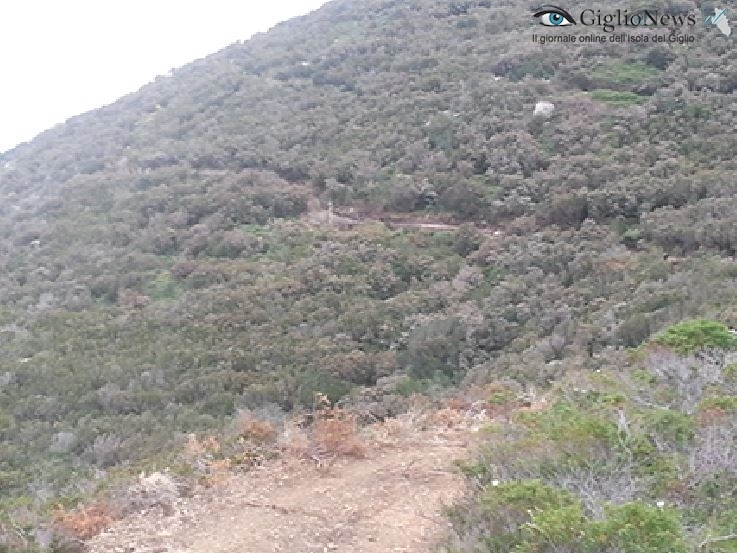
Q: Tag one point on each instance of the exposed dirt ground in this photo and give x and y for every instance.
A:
(346, 217)
(390, 501)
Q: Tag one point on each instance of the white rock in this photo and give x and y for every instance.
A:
(544, 109)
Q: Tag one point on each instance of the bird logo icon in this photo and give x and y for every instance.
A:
(720, 20)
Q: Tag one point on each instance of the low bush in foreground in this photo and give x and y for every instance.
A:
(615, 464)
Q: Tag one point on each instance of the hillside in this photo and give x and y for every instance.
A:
(160, 271)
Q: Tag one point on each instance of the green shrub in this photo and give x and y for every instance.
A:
(699, 111)
(618, 73)
(673, 426)
(730, 372)
(433, 349)
(636, 528)
(529, 516)
(617, 98)
(410, 386)
(724, 403)
(311, 382)
(571, 427)
(592, 398)
(553, 530)
(689, 336)
(511, 510)
(162, 287)
(255, 229)
(501, 396)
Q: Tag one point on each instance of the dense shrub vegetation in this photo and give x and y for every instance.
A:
(157, 274)
(640, 459)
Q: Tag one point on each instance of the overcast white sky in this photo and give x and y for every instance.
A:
(59, 58)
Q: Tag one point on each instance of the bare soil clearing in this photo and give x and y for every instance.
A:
(390, 501)
(346, 218)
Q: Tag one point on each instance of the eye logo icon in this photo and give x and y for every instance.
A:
(553, 16)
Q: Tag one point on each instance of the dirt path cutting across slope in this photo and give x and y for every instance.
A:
(391, 501)
(348, 217)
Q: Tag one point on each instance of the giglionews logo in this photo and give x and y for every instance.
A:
(645, 16)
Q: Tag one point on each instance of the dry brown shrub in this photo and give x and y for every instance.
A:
(535, 406)
(196, 447)
(294, 440)
(132, 299)
(321, 403)
(395, 431)
(336, 432)
(393, 428)
(218, 473)
(253, 429)
(711, 416)
(444, 418)
(193, 448)
(211, 444)
(326, 433)
(458, 403)
(84, 522)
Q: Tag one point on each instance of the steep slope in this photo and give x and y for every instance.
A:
(156, 275)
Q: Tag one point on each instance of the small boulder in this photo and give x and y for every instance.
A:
(544, 109)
